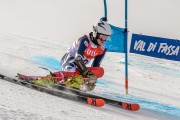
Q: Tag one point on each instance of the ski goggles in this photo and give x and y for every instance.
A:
(103, 38)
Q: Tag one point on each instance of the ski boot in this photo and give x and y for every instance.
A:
(74, 82)
(47, 81)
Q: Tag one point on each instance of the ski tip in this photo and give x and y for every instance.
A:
(95, 102)
(129, 106)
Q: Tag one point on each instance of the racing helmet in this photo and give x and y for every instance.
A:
(101, 28)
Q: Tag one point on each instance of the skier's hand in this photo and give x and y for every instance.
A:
(92, 77)
(87, 73)
(89, 84)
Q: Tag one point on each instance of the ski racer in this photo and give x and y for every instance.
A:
(80, 53)
(86, 48)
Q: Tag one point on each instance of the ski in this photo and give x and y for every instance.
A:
(67, 95)
(36, 77)
(74, 94)
(124, 105)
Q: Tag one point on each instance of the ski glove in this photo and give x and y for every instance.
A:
(92, 77)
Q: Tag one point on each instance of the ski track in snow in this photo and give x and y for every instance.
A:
(150, 101)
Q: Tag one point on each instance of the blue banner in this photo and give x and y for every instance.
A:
(155, 47)
(116, 41)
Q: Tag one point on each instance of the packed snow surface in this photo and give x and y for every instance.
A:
(153, 83)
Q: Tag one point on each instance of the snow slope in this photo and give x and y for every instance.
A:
(153, 83)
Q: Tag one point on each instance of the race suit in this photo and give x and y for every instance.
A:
(87, 50)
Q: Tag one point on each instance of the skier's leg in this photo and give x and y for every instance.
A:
(67, 63)
(98, 71)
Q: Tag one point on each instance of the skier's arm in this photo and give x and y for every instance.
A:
(79, 55)
(80, 63)
(97, 60)
(82, 46)
(79, 59)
